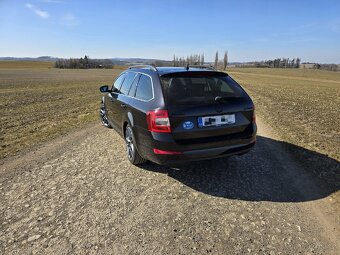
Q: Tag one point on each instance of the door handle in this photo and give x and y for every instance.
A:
(123, 105)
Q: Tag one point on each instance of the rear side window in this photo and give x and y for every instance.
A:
(118, 82)
(133, 88)
(200, 89)
(127, 83)
(144, 88)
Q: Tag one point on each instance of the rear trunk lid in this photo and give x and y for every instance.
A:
(205, 106)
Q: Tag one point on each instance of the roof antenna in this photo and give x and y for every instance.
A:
(187, 67)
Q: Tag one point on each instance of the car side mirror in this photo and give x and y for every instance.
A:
(104, 89)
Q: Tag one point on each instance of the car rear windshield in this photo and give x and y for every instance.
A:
(194, 90)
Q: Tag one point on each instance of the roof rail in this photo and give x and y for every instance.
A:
(208, 67)
(150, 67)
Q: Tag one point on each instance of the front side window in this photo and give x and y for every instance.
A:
(127, 83)
(144, 88)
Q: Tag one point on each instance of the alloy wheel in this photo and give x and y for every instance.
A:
(130, 148)
(103, 116)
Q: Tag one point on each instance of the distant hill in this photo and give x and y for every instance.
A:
(115, 61)
(140, 61)
(42, 58)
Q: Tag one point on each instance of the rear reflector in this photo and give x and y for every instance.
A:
(158, 121)
(156, 151)
(254, 118)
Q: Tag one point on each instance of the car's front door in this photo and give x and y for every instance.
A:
(123, 97)
(111, 101)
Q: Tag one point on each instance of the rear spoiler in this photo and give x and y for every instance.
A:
(207, 67)
(189, 73)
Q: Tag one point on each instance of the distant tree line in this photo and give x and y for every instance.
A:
(193, 59)
(279, 63)
(198, 59)
(161, 63)
(83, 63)
(328, 67)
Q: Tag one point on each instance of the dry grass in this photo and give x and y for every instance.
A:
(37, 104)
(305, 102)
(302, 74)
(25, 64)
(303, 106)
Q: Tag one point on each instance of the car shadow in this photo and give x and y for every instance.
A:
(261, 175)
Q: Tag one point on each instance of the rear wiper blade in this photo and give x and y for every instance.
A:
(219, 99)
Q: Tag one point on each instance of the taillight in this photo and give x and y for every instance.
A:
(158, 121)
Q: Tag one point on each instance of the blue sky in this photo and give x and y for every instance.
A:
(249, 30)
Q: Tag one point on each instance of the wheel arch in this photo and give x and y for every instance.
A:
(136, 138)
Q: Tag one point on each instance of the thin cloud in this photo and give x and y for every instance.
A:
(42, 14)
(264, 39)
(335, 26)
(52, 1)
(301, 40)
(299, 35)
(287, 34)
(68, 19)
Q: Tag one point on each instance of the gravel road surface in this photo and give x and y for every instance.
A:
(78, 194)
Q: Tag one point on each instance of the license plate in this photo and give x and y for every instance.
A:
(219, 120)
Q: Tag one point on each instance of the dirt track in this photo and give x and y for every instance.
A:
(79, 194)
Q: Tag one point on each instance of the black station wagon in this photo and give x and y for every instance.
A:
(175, 114)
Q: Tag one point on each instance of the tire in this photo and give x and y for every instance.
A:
(131, 150)
(103, 117)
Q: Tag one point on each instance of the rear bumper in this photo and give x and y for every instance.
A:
(226, 146)
(197, 155)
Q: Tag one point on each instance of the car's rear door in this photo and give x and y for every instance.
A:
(140, 101)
